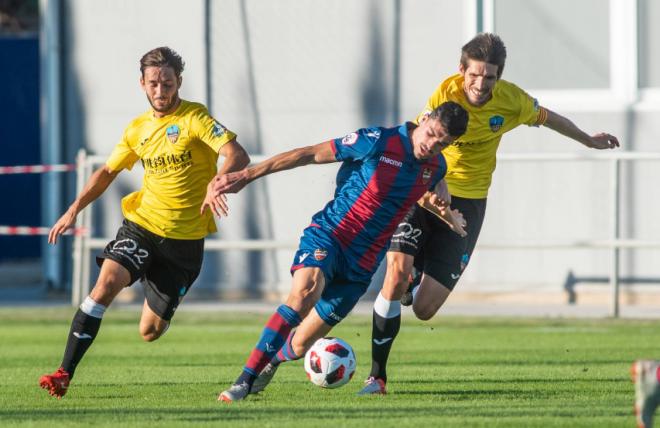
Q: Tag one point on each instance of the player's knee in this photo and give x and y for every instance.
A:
(303, 298)
(396, 283)
(111, 281)
(425, 312)
(301, 343)
(424, 316)
(301, 349)
(401, 279)
(106, 289)
(150, 333)
(301, 301)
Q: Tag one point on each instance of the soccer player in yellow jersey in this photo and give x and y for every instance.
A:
(161, 240)
(422, 241)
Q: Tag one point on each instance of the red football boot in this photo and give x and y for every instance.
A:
(56, 383)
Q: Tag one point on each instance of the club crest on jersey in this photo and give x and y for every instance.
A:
(173, 133)
(218, 129)
(350, 139)
(496, 123)
(320, 254)
(426, 175)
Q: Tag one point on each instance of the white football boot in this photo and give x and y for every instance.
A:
(373, 386)
(264, 378)
(236, 392)
(647, 390)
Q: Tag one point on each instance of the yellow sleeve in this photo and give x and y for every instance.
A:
(122, 156)
(209, 130)
(531, 113)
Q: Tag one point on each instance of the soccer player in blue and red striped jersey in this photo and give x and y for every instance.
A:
(384, 172)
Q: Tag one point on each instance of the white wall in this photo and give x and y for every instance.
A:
(292, 72)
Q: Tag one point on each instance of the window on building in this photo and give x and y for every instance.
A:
(563, 44)
(648, 13)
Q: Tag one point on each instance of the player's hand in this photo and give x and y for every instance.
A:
(603, 141)
(216, 202)
(458, 223)
(442, 196)
(66, 222)
(439, 203)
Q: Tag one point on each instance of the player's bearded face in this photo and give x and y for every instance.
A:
(479, 79)
(429, 138)
(162, 88)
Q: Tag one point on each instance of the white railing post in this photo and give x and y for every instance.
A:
(616, 250)
(87, 224)
(79, 238)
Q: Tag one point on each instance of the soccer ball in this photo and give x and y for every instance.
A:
(330, 363)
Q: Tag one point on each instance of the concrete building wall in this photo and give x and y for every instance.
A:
(288, 73)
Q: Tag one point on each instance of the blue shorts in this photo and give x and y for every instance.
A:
(344, 285)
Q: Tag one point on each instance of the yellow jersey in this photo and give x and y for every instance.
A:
(471, 159)
(179, 153)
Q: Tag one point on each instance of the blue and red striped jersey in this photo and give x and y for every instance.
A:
(378, 182)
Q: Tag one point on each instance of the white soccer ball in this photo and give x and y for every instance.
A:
(330, 362)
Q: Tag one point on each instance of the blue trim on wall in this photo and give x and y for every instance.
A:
(19, 143)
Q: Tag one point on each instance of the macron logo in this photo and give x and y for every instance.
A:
(302, 257)
(392, 162)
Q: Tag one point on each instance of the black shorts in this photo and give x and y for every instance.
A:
(167, 267)
(439, 252)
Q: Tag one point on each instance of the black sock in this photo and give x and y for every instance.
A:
(83, 331)
(246, 377)
(383, 333)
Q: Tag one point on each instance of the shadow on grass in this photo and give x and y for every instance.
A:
(530, 362)
(474, 379)
(247, 412)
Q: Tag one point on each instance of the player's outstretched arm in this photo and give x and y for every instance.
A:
(236, 158)
(565, 127)
(233, 182)
(454, 218)
(96, 185)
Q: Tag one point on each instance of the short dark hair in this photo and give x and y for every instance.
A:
(162, 57)
(452, 116)
(486, 47)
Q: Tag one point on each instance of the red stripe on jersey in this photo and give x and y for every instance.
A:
(368, 260)
(371, 198)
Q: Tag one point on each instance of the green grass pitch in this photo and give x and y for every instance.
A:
(450, 372)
